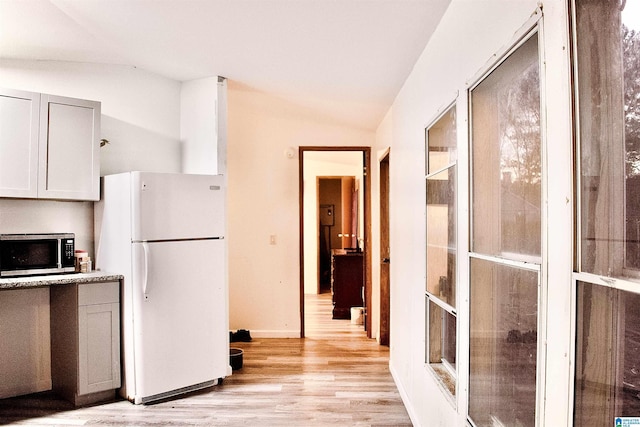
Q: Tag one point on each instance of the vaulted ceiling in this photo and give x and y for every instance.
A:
(342, 58)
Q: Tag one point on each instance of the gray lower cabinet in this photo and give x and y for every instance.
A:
(25, 345)
(85, 341)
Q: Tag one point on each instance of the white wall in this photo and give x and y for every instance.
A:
(140, 110)
(469, 35)
(263, 200)
(323, 163)
(49, 216)
(198, 126)
(140, 118)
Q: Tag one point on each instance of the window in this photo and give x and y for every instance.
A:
(504, 318)
(506, 158)
(608, 91)
(607, 75)
(441, 248)
(608, 355)
(505, 254)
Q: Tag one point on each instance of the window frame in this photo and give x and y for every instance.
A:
(534, 27)
(535, 30)
(629, 281)
(444, 367)
(616, 284)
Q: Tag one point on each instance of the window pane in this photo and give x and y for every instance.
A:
(441, 351)
(441, 248)
(505, 110)
(442, 335)
(607, 355)
(608, 76)
(503, 344)
(441, 235)
(441, 142)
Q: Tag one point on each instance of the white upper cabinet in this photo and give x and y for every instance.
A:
(69, 148)
(49, 146)
(19, 124)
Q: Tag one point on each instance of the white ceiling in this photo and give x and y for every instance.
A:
(346, 59)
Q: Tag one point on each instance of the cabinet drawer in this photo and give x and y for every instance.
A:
(98, 293)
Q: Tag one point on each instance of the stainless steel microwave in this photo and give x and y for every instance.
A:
(34, 254)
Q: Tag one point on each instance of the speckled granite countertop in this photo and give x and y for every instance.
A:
(57, 279)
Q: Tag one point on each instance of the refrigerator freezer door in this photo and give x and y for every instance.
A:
(176, 206)
(181, 321)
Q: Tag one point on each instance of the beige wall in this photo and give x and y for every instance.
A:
(264, 284)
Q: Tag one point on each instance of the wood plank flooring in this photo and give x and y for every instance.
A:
(320, 325)
(334, 377)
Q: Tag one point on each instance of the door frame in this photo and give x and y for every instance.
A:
(366, 163)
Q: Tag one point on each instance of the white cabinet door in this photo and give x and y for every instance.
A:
(99, 348)
(85, 341)
(19, 123)
(69, 149)
(98, 337)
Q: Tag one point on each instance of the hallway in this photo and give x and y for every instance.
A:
(334, 377)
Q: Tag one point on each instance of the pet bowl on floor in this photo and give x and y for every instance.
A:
(235, 358)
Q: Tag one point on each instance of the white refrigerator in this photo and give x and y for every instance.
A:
(165, 234)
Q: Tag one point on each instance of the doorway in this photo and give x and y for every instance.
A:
(318, 166)
(339, 223)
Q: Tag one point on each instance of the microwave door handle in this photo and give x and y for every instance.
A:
(145, 251)
(59, 253)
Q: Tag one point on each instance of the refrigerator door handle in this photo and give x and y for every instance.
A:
(145, 250)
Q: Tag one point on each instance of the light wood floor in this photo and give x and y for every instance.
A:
(320, 325)
(334, 377)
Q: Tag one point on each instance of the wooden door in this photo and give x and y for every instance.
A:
(385, 253)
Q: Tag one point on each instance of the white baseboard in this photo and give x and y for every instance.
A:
(404, 396)
(275, 333)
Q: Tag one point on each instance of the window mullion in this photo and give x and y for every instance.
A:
(434, 298)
